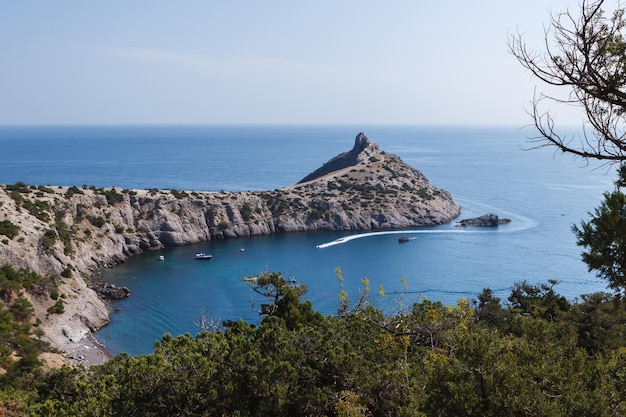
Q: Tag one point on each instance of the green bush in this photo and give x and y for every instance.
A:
(20, 187)
(45, 189)
(246, 212)
(9, 229)
(38, 208)
(73, 190)
(112, 196)
(49, 238)
(57, 308)
(179, 194)
(96, 221)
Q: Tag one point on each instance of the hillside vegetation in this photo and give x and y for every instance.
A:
(537, 356)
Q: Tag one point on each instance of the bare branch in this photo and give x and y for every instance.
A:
(586, 55)
(206, 322)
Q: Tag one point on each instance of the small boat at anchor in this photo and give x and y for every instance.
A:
(404, 239)
(201, 256)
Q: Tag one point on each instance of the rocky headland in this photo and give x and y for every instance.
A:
(71, 232)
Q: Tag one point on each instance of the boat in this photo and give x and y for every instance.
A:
(161, 258)
(249, 279)
(404, 239)
(203, 256)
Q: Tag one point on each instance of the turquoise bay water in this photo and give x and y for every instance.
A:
(484, 168)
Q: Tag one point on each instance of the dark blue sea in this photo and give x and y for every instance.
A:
(487, 169)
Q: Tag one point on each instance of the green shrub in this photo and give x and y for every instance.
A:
(22, 310)
(38, 208)
(45, 189)
(112, 196)
(246, 211)
(96, 221)
(67, 272)
(9, 229)
(49, 238)
(73, 190)
(179, 194)
(66, 234)
(20, 187)
(57, 308)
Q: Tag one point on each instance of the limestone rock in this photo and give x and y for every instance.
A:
(109, 291)
(486, 220)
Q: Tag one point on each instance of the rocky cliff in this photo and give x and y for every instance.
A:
(74, 231)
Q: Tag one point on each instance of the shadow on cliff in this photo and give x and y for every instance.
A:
(341, 161)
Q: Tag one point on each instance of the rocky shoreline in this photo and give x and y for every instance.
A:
(72, 232)
(87, 352)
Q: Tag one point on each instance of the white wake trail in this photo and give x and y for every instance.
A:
(390, 232)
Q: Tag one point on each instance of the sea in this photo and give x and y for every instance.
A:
(485, 168)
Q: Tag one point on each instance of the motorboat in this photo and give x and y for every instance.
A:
(201, 256)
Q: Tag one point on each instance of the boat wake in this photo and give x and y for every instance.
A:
(390, 232)
(522, 223)
(519, 223)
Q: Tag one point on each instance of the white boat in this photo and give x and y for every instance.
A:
(203, 256)
(161, 258)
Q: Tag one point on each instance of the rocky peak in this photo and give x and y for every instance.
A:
(344, 160)
(360, 143)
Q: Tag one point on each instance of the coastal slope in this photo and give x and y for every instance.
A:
(72, 231)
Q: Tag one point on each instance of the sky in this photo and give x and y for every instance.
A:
(268, 62)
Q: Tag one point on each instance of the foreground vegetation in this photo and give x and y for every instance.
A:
(536, 355)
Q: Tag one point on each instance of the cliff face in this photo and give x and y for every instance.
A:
(74, 231)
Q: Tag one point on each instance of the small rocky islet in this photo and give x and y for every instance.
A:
(486, 220)
(72, 231)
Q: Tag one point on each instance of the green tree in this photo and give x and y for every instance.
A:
(604, 238)
(600, 326)
(538, 301)
(285, 299)
(488, 309)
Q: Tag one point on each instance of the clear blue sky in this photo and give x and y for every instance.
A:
(204, 62)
